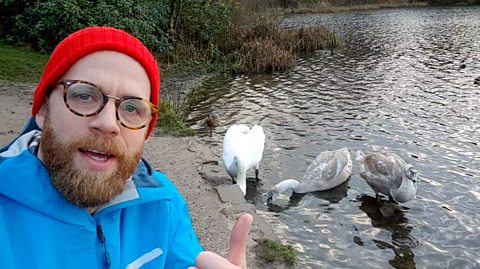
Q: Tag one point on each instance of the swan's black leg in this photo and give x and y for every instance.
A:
(269, 200)
(234, 181)
(256, 175)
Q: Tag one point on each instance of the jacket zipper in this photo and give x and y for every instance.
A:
(102, 239)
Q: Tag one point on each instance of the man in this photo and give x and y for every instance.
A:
(74, 190)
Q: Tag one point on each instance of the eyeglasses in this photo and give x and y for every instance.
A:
(85, 99)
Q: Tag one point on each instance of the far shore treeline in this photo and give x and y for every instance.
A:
(240, 36)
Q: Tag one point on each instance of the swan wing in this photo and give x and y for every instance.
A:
(328, 170)
(245, 144)
(383, 171)
(399, 166)
(317, 165)
(254, 146)
(232, 146)
(379, 164)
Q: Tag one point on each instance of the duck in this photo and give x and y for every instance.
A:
(243, 150)
(329, 170)
(212, 121)
(387, 173)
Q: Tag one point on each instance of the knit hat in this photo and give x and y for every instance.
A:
(89, 40)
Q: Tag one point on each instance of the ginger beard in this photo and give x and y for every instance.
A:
(86, 188)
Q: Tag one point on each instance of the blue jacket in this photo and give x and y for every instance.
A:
(146, 226)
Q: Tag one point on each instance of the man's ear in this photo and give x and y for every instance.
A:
(40, 116)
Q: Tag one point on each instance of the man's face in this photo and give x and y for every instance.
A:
(90, 158)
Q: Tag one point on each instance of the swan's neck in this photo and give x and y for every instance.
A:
(406, 192)
(242, 177)
(288, 184)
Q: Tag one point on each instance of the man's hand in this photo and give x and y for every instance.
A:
(238, 249)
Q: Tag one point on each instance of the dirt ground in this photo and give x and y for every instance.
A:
(182, 159)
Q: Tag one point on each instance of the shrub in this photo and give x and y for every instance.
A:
(42, 24)
(204, 22)
(266, 47)
(263, 55)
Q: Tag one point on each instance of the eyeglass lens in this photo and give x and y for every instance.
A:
(88, 100)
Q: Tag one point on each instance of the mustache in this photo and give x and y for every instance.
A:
(100, 143)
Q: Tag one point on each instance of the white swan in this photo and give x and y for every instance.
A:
(328, 170)
(243, 150)
(388, 173)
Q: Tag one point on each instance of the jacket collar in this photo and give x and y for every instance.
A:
(22, 141)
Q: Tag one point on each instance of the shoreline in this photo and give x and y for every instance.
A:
(187, 162)
(213, 206)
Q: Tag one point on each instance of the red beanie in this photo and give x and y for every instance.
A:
(89, 40)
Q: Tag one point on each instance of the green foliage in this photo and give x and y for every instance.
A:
(42, 24)
(37, 22)
(146, 19)
(204, 21)
(21, 64)
(8, 10)
(187, 27)
(272, 251)
(170, 121)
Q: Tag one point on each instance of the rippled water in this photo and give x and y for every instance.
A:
(397, 84)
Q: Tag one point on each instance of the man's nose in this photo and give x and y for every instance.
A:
(105, 122)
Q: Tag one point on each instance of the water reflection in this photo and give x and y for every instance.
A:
(389, 216)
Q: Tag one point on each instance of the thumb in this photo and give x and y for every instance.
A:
(238, 240)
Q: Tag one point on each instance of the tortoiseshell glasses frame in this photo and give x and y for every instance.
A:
(85, 99)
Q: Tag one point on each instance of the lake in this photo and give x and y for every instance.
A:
(404, 82)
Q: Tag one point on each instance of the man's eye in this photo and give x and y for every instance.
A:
(84, 96)
(130, 108)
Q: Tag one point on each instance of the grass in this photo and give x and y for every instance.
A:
(258, 44)
(266, 47)
(19, 64)
(272, 251)
(170, 121)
